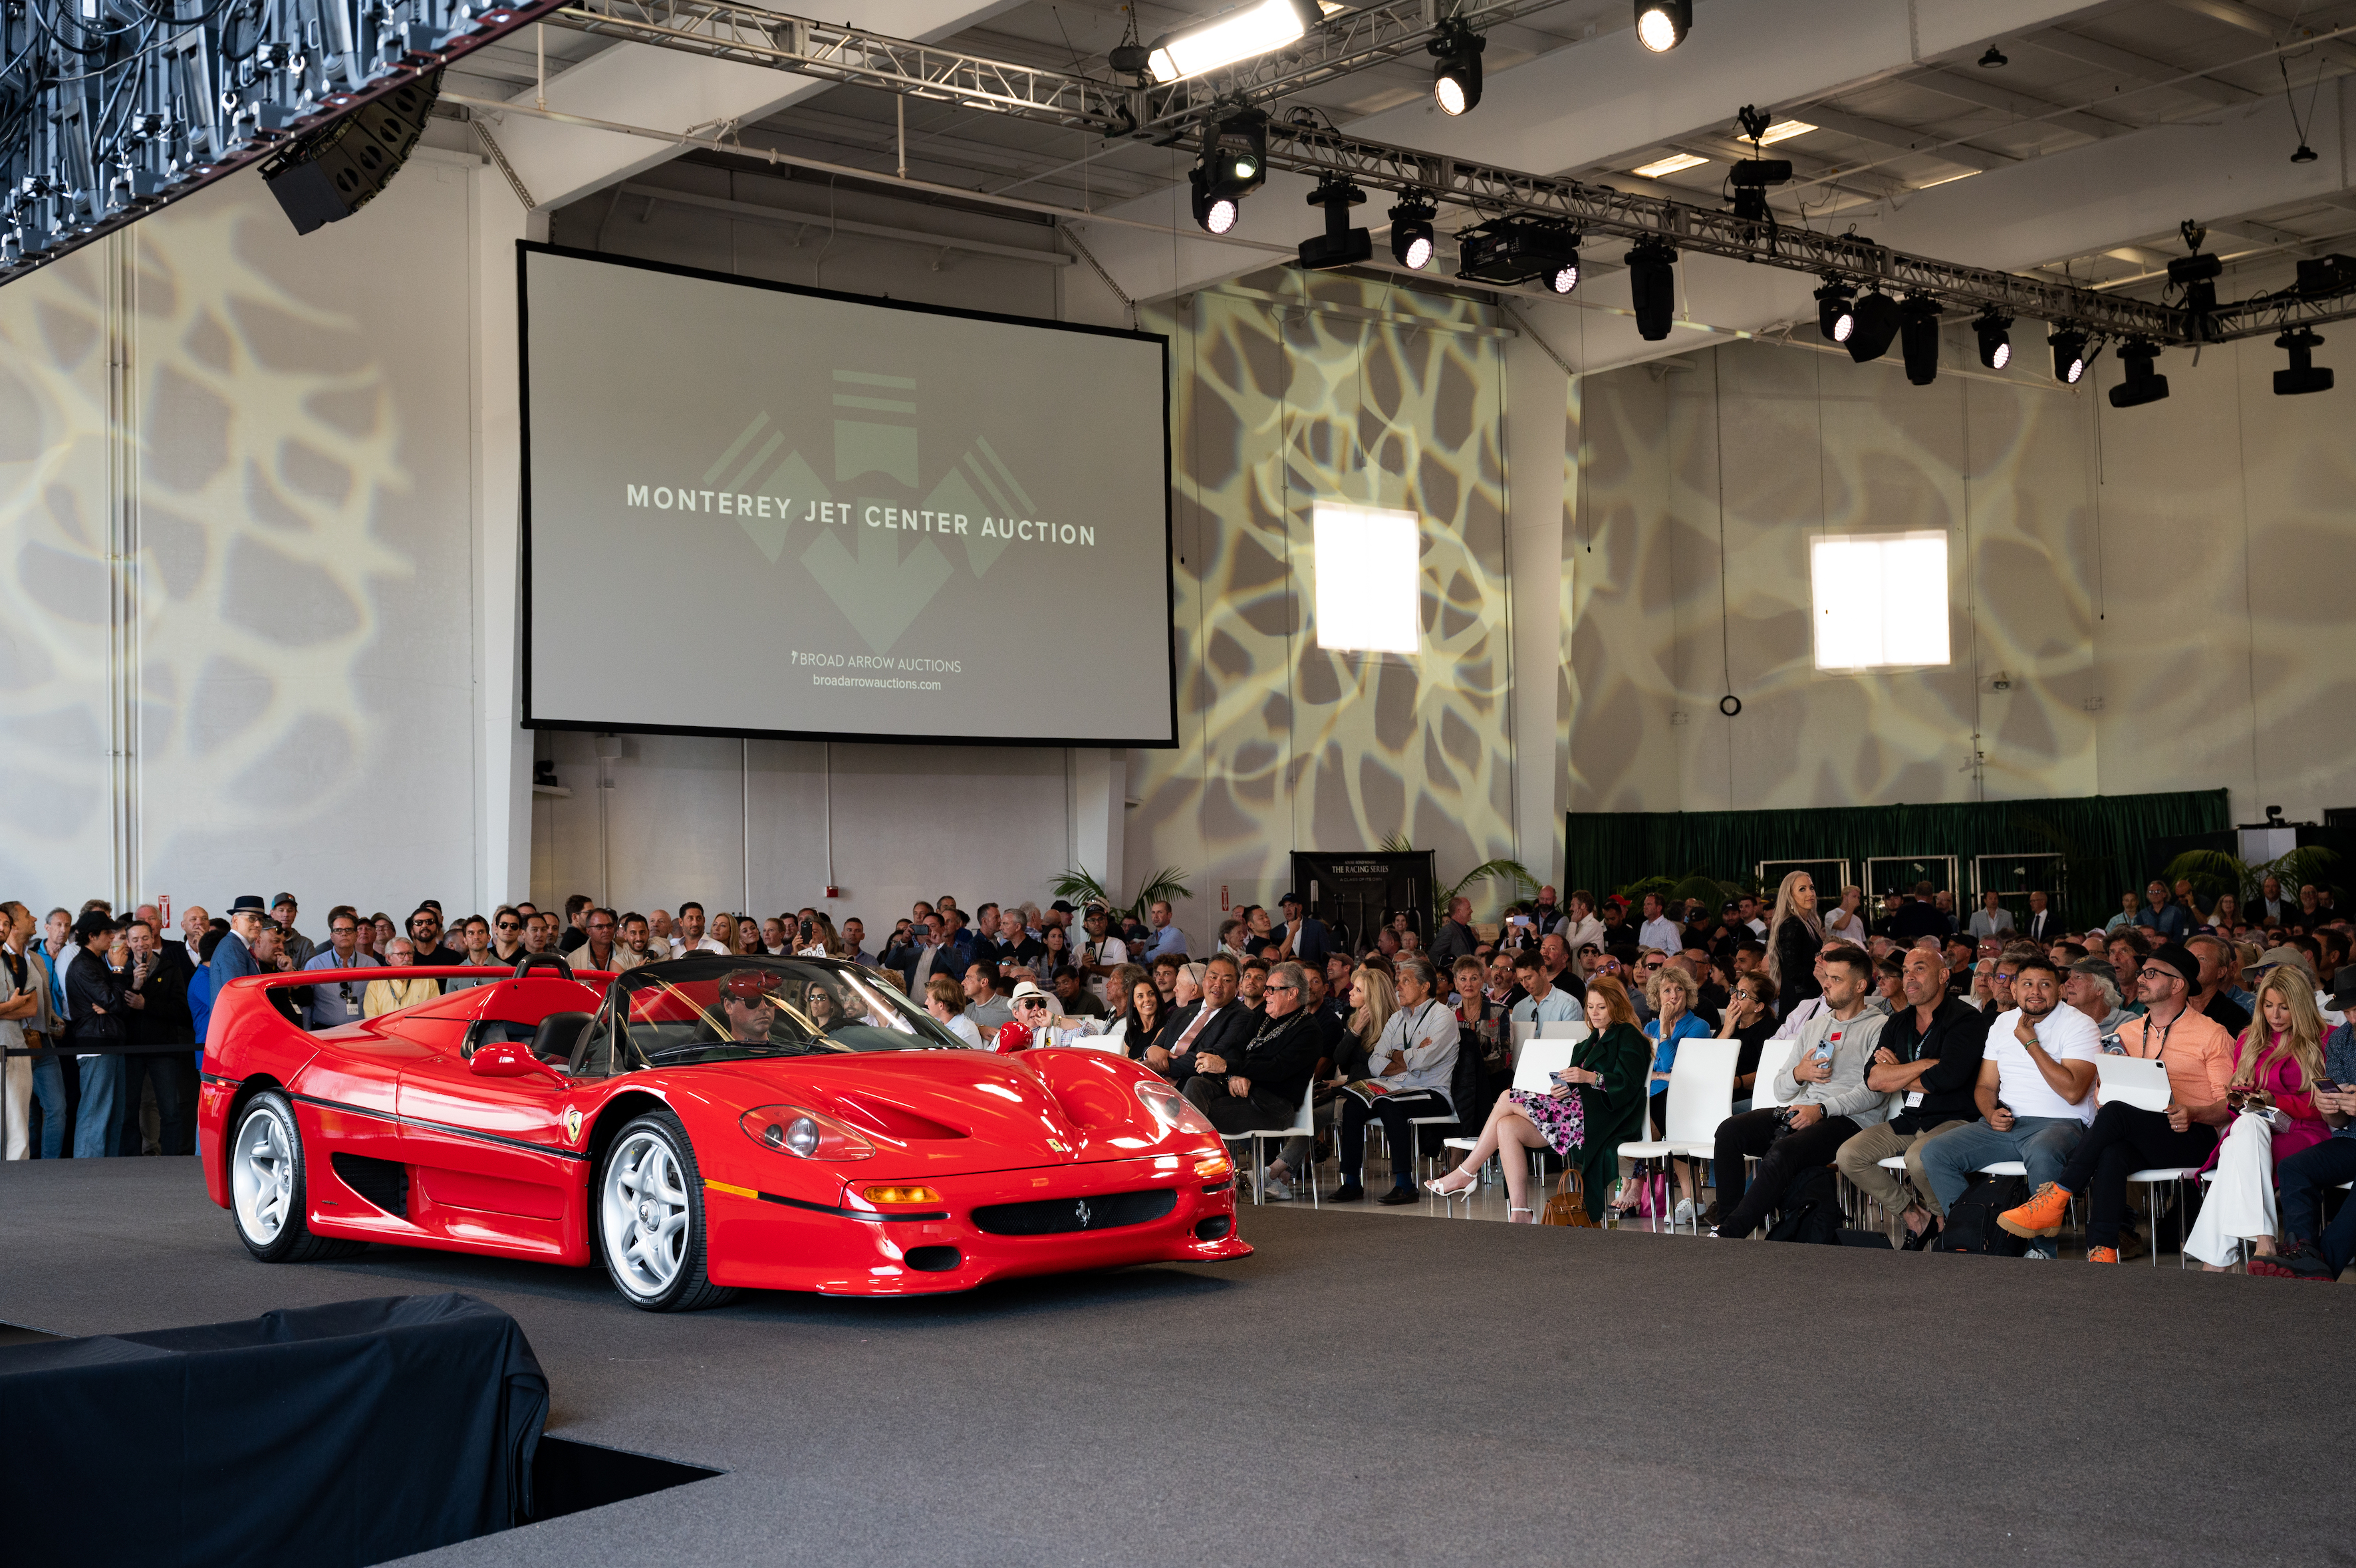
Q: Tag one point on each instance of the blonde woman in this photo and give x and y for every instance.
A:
(1671, 991)
(1373, 1000)
(1848, 923)
(2277, 1064)
(1795, 936)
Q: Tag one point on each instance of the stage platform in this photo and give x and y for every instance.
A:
(1360, 1390)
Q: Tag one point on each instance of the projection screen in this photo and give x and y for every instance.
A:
(751, 508)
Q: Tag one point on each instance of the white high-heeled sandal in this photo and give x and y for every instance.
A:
(1510, 1212)
(1433, 1187)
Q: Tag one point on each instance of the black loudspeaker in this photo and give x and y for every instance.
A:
(334, 171)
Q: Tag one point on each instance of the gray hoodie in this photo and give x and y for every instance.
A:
(1844, 1094)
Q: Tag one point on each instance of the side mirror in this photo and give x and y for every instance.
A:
(507, 1059)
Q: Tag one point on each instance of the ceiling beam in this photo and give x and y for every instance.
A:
(2137, 68)
(2267, 25)
(2020, 105)
(1899, 138)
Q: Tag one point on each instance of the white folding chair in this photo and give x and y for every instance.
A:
(1701, 1095)
(2152, 1180)
(1303, 1126)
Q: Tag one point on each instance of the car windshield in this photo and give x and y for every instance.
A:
(713, 1008)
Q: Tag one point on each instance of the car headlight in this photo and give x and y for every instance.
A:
(804, 1134)
(1173, 1111)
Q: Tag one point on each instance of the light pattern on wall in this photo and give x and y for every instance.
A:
(1284, 744)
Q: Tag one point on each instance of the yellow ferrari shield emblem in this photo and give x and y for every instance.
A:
(572, 1124)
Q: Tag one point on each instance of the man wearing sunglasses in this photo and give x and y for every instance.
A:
(337, 999)
(1259, 1082)
(425, 938)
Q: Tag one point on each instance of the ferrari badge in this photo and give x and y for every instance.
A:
(571, 1123)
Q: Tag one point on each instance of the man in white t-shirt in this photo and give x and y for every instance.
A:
(2036, 1092)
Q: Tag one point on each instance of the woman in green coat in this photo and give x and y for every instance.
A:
(1597, 1104)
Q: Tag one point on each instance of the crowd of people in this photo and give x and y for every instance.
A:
(1909, 1032)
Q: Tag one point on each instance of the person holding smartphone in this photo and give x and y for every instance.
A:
(2317, 1252)
(1596, 1104)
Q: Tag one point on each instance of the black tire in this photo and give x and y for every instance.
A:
(637, 1211)
(269, 1183)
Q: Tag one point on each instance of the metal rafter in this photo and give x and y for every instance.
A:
(724, 29)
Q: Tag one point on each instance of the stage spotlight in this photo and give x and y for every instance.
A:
(1752, 178)
(1918, 339)
(1411, 232)
(1339, 245)
(1662, 25)
(2142, 385)
(1238, 34)
(1456, 67)
(2069, 356)
(1836, 316)
(1995, 339)
(1517, 249)
(2304, 375)
(1652, 288)
(1877, 325)
(1232, 164)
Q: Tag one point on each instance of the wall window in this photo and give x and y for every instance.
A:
(1370, 573)
(1880, 600)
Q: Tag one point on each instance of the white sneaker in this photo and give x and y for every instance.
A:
(1274, 1188)
(2036, 1255)
(1685, 1211)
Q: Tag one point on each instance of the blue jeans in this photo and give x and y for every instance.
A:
(2304, 1178)
(101, 1085)
(2043, 1143)
(49, 1089)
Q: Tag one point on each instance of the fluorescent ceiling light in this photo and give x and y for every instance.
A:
(1784, 130)
(1237, 35)
(1670, 165)
(1369, 578)
(1948, 179)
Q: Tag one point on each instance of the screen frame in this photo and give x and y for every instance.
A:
(525, 248)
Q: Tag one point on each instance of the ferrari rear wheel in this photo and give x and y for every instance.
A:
(651, 1217)
(266, 1184)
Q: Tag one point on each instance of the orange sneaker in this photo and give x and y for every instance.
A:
(2102, 1254)
(2041, 1215)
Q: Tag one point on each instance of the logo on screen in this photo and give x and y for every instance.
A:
(974, 511)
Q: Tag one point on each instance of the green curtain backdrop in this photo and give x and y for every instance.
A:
(2109, 840)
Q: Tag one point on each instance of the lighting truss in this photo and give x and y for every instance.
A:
(110, 109)
(1348, 42)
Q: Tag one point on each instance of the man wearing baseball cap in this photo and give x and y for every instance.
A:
(746, 1007)
(298, 947)
(1304, 935)
(2199, 1056)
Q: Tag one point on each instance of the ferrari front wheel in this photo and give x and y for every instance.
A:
(651, 1217)
(267, 1183)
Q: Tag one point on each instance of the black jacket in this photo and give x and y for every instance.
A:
(1796, 963)
(1919, 917)
(1223, 1037)
(1278, 1055)
(91, 985)
(162, 1017)
(1957, 1037)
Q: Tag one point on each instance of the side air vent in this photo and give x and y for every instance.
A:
(933, 1259)
(384, 1183)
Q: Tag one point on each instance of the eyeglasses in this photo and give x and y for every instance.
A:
(1272, 986)
(342, 931)
(2000, 974)
(1031, 1002)
(510, 925)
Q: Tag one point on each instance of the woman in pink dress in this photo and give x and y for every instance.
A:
(2275, 1065)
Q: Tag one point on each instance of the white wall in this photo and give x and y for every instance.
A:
(285, 552)
(2157, 586)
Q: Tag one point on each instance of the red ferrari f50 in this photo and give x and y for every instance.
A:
(699, 1125)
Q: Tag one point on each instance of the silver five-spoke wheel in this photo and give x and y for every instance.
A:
(262, 1172)
(651, 1217)
(646, 1213)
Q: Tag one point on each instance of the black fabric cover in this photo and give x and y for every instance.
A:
(348, 1434)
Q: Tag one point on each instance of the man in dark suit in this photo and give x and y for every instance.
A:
(1208, 1026)
(2043, 924)
(1256, 1080)
(158, 995)
(1919, 918)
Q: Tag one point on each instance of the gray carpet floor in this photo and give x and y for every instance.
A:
(1361, 1390)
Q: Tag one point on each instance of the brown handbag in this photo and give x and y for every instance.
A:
(1569, 1204)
